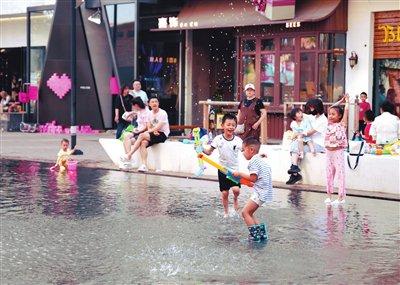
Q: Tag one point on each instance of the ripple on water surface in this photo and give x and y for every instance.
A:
(97, 226)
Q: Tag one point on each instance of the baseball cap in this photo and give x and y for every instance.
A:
(249, 86)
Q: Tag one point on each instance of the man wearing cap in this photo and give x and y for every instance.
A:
(251, 113)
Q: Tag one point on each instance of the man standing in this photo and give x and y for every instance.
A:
(138, 92)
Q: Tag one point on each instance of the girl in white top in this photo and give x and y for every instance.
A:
(386, 127)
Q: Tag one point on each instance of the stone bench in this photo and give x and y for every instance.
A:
(374, 173)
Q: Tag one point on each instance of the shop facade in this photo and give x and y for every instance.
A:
(373, 30)
(386, 58)
(228, 44)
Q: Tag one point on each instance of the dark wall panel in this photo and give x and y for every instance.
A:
(58, 61)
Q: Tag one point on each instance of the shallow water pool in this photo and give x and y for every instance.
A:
(98, 226)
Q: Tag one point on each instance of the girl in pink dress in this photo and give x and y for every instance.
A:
(335, 144)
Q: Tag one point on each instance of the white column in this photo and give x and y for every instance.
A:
(188, 77)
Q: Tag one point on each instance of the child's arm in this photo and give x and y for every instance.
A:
(208, 150)
(341, 100)
(251, 177)
(71, 151)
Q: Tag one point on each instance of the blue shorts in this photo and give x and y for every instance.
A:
(294, 147)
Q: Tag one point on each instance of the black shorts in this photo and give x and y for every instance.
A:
(157, 139)
(224, 183)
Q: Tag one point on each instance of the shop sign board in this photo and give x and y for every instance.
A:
(174, 23)
(387, 35)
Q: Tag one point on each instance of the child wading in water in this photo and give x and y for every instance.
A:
(260, 174)
(335, 144)
(228, 146)
(299, 125)
(63, 156)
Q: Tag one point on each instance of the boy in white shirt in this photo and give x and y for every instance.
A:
(228, 146)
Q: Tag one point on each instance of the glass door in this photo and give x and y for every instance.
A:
(39, 22)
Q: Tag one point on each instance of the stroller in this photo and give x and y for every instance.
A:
(28, 128)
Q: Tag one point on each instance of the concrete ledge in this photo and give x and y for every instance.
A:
(175, 157)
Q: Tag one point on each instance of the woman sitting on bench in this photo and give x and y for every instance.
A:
(157, 132)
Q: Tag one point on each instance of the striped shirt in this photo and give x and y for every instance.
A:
(263, 184)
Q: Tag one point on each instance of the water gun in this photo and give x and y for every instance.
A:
(198, 145)
(226, 171)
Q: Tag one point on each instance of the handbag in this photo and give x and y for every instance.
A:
(239, 129)
(356, 147)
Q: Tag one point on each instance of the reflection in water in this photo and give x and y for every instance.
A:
(295, 198)
(95, 226)
(335, 228)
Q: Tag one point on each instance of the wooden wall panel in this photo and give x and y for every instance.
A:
(387, 35)
(275, 126)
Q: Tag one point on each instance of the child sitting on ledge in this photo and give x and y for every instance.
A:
(63, 156)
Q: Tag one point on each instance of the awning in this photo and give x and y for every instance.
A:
(208, 14)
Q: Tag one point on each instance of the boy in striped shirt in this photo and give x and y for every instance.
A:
(260, 174)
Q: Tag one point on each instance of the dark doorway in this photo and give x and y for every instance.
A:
(11, 65)
(159, 70)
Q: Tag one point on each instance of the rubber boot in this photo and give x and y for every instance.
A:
(263, 231)
(254, 233)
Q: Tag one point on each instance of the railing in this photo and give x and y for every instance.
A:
(206, 114)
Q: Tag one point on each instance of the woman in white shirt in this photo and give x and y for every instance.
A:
(386, 127)
(319, 124)
(142, 113)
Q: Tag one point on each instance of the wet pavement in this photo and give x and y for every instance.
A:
(100, 226)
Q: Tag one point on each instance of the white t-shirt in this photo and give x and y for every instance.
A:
(143, 118)
(320, 125)
(140, 94)
(228, 150)
(160, 116)
(385, 128)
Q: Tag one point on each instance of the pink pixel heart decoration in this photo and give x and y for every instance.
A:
(60, 85)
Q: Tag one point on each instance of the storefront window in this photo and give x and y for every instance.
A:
(317, 59)
(41, 22)
(287, 43)
(159, 67)
(286, 75)
(308, 42)
(307, 76)
(332, 41)
(386, 82)
(40, 26)
(249, 45)
(249, 69)
(267, 45)
(331, 76)
(267, 77)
